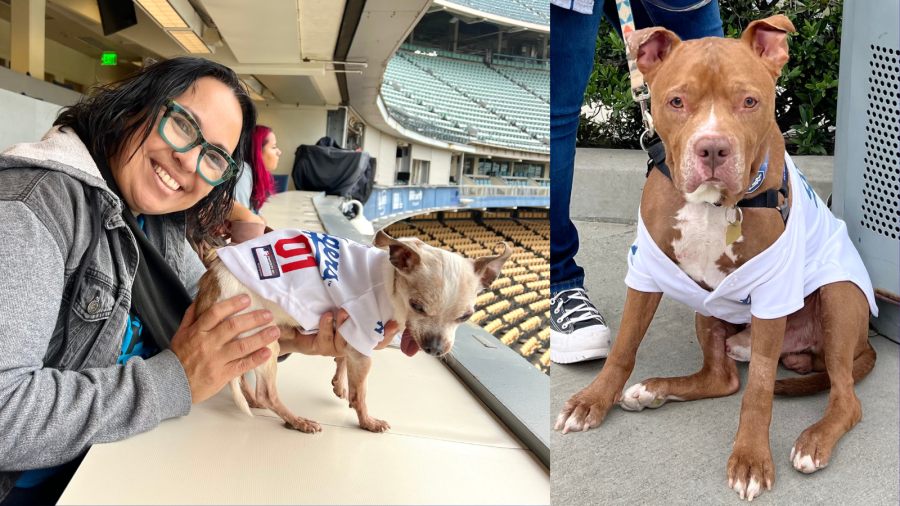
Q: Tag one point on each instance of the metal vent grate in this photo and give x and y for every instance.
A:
(94, 42)
(882, 176)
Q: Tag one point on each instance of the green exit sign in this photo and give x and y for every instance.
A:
(108, 59)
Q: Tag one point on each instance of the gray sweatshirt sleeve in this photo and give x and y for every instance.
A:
(47, 416)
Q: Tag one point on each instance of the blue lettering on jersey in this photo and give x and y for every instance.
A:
(327, 251)
(380, 328)
(633, 249)
(809, 191)
(746, 301)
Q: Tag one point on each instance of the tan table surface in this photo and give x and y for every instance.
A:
(444, 446)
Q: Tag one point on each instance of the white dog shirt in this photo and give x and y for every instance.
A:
(813, 251)
(308, 274)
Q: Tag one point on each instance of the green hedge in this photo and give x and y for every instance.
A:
(806, 107)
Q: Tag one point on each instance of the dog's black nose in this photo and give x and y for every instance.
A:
(713, 150)
(433, 346)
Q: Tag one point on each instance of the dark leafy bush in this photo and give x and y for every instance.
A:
(806, 106)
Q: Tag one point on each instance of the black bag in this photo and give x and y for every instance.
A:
(363, 188)
(326, 167)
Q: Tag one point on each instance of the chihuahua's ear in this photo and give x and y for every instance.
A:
(767, 38)
(488, 268)
(650, 47)
(403, 255)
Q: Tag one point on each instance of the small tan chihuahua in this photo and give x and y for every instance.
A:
(431, 290)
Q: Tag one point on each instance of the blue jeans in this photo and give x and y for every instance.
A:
(574, 37)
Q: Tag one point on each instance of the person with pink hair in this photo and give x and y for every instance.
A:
(254, 185)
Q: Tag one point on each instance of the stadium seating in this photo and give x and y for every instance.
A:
(454, 95)
(517, 308)
(537, 82)
(531, 11)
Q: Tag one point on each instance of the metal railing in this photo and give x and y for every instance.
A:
(527, 63)
(503, 191)
(427, 128)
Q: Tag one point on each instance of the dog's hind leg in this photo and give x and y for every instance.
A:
(717, 378)
(339, 382)
(358, 366)
(848, 357)
(267, 394)
(248, 393)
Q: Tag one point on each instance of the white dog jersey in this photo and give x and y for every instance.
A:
(813, 251)
(309, 274)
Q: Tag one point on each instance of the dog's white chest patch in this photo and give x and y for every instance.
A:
(702, 242)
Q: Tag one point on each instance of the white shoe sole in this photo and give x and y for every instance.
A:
(585, 345)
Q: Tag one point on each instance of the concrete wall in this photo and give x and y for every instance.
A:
(25, 119)
(382, 147)
(438, 159)
(292, 128)
(440, 167)
(420, 152)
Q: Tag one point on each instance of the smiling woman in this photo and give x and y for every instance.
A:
(99, 339)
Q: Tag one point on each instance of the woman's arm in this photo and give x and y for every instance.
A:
(241, 213)
(47, 416)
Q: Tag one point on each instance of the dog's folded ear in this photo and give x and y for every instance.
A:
(649, 47)
(488, 268)
(403, 254)
(768, 39)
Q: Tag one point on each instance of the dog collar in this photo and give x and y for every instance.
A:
(767, 199)
(760, 175)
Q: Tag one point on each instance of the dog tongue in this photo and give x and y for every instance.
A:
(408, 345)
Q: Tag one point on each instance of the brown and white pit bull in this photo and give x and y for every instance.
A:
(713, 103)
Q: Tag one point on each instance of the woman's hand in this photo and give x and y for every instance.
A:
(208, 352)
(326, 343)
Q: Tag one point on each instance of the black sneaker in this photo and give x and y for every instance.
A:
(577, 330)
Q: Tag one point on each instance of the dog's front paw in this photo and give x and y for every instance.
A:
(749, 470)
(585, 410)
(304, 425)
(643, 395)
(374, 424)
(340, 389)
(808, 455)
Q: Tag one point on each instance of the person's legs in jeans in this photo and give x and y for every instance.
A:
(574, 37)
(578, 331)
(703, 21)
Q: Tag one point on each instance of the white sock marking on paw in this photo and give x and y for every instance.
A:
(739, 353)
(637, 398)
(562, 418)
(754, 489)
(739, 488)
(573, 425)
(804, 464)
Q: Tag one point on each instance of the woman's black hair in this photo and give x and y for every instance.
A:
(111, 115)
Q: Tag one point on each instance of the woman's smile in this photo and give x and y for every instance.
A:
(165, 177)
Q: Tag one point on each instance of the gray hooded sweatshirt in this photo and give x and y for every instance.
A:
(54, 406)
